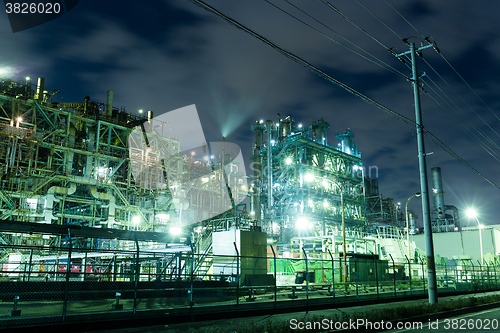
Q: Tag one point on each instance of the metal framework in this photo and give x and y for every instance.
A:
(298, 177)
(71, 164)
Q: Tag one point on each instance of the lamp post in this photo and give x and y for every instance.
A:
(408, 224)
(471, 213)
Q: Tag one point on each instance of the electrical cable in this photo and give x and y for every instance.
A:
(456, 156)
(344, 86)
(387, 66)
(477, 129)
(305, 64)
(461, 98)
(456, 72)
(468, 131)
(488, 149)
(369, 11)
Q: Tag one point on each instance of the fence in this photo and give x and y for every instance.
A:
(65, 284)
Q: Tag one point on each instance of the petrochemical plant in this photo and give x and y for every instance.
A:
(67, 176)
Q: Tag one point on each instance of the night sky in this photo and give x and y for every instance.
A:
(164, 55)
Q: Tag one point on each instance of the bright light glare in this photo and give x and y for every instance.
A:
(300, 125)
(302, 223)
(325, 204)
(136, 219)
(28, 78)
(19, 120)
(309, 177)
(471, 212)
(175, 230)
(141, 111)
(288, 160)
(4, 71)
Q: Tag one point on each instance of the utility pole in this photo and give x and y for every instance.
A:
(424, 189)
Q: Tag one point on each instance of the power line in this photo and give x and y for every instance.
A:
(352, 22)
(453, 68)
(305, 64)
(344, 86)
(387, 66)
(452, 153)
(459, 109)
(440, 106)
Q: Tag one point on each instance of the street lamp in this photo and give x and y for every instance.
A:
(471, 213)
(408, 224)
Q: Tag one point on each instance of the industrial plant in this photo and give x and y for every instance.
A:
(92, 192)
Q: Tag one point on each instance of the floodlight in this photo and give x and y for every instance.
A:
(175, 230)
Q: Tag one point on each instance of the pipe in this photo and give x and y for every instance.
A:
(438, 193)
(109, 108)
(39, 89)
(112, 205)
(49, 204)
(456, 218)
(269, 171)
(259, 129)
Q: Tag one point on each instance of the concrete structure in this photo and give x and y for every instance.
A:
(466, 244)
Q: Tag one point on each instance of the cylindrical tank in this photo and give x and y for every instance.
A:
(347, 142)
(39, 88)
(319, 128)
(438, 193)
(411, 219)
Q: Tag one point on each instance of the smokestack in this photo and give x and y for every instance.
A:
(109, 108)
(438, 192)
(39, 89)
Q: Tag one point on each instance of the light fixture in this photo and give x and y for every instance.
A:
(309, 177)
(141, 111)
(288, 160)
(175, 230)
(136, 219)
(302, 222)
(471, 212)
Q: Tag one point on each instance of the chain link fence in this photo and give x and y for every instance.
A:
(67, 284)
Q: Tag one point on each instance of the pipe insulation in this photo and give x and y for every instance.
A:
(112, 204)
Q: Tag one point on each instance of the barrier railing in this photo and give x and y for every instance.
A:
(63, 284)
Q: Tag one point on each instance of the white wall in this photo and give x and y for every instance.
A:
(464, 243)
